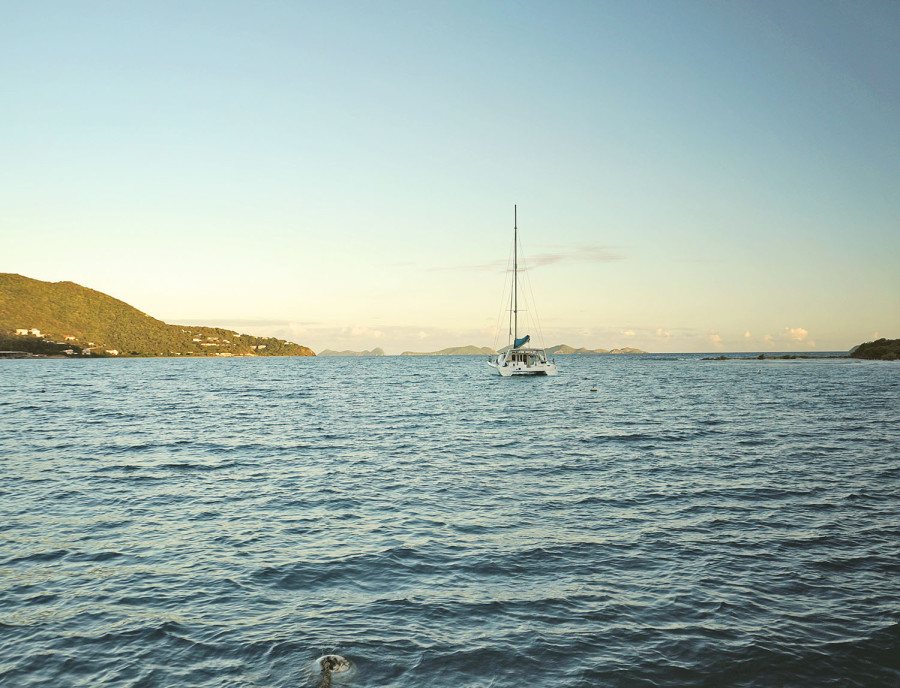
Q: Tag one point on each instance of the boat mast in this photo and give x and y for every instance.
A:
(515, 276)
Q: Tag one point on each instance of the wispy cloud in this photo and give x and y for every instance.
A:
(591, 253)
(361, 331)
(582, 254)
(797, 334)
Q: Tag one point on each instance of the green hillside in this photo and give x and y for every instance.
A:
(881, 349)
(65, 311)
(13, 345)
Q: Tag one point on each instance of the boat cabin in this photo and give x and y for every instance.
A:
(527, 356)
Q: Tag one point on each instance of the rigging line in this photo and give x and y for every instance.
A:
(533, 303)
(503, 297)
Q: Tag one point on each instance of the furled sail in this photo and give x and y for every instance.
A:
(522, 341)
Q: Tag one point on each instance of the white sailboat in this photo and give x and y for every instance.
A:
(520, 359)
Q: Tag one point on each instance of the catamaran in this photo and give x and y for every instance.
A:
(519, 359)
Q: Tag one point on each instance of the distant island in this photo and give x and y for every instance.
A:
(455, 351)
(879, 350)
(565, 350)
(374, 352)
(65, 319)
(559, 349)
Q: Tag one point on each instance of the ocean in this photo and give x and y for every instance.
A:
(223, 523)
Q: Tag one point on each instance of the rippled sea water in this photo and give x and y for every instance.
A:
(221, 523)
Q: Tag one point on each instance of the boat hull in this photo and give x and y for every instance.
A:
(509, 371)
(508, 365)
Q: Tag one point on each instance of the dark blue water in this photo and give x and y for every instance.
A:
(226, 522)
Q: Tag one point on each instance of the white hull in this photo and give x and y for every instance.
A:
(523, 362)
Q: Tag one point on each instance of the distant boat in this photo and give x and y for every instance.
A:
(520, 359)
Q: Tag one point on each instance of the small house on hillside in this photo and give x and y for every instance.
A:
(22, 331)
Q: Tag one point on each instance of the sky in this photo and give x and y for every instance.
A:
(689, 176)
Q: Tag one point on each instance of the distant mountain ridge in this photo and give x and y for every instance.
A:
(566, 350)
(377, 351)
(470, 350)
(560, 349)
(89, 319)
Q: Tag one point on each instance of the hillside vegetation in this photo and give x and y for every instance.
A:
(881, 349)
(101, 323)
(11, 344)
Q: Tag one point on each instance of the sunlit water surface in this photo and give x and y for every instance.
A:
(226, 522)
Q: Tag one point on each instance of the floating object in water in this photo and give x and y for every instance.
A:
(593, 389)
(331, 664)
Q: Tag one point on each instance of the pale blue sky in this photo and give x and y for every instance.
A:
(690, 176)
